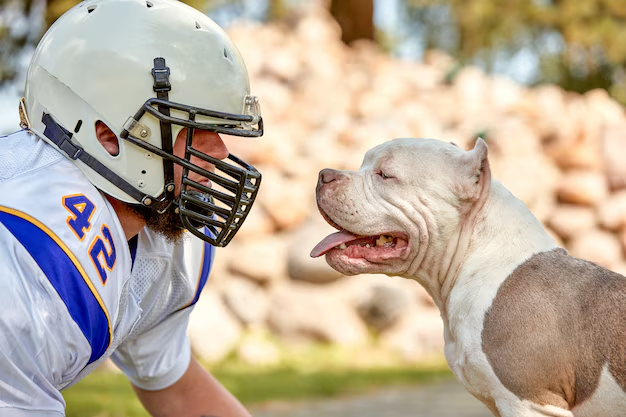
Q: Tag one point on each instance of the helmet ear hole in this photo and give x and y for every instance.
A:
(107, 138)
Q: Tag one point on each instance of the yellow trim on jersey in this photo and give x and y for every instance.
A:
(69, 254)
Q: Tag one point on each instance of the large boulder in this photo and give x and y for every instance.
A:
(300, 265)
(212, 330)
(306, 312)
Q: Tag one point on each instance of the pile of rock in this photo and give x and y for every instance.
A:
(324, 105)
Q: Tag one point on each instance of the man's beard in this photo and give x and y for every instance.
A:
(167, 224)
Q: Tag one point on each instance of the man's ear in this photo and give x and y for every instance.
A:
(476, 173)
(107, 138)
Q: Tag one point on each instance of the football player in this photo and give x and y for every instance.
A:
(113, 198)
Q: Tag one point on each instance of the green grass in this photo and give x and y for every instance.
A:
(316, 373)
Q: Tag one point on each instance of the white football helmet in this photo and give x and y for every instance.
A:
(147, 69)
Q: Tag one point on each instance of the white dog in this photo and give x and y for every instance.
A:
(529, 330)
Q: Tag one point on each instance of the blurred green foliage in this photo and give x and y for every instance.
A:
(316, 372)
(57, 7)
(579, 44)
(12, 40)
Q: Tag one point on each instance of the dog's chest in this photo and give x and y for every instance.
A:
(463, 347)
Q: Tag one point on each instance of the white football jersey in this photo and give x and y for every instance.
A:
(74, 292)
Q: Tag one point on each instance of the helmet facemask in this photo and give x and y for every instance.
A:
(221, 207)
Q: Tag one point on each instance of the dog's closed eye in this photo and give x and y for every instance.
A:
(383, 175)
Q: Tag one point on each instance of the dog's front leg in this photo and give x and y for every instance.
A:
(524, 408)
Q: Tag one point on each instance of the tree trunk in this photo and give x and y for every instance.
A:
(355, 17)
(276, 9)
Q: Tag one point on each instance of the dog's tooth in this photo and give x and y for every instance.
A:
(367, 246)
(342, 246)
(383, 240)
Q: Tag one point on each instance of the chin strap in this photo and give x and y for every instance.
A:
(62, 139)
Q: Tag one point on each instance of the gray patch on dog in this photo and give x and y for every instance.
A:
(555, 322)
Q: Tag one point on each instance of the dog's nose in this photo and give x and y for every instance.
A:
(326, 176)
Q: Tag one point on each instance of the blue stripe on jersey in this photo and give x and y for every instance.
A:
(66, 275)
(208, 254)
(132, 245)
(207, 263)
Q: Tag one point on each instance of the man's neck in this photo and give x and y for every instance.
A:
(131, 223)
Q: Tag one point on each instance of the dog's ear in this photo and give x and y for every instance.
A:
(476, 172)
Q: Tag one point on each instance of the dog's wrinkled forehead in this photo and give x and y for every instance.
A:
(412, 149)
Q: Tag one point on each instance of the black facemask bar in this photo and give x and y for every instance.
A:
(165, 117)
(222, 210)
(223, 207)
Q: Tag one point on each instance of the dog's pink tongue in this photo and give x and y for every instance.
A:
(331, 241)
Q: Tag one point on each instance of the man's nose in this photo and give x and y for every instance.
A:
(210, 143)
